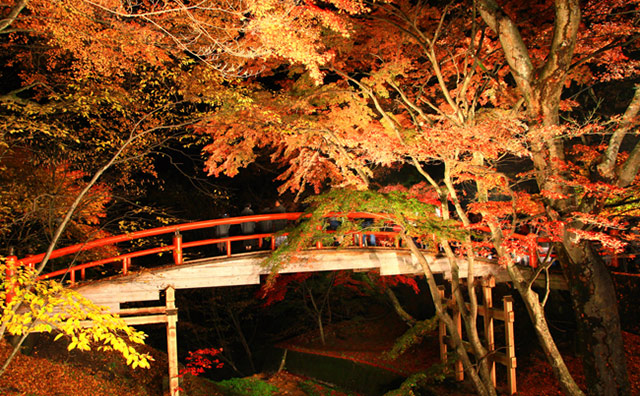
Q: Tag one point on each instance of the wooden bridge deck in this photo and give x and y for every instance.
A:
(244, 268)
(247, 268)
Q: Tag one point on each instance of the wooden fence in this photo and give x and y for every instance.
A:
(489, 314)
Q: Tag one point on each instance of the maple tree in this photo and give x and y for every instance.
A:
(486, 101)
(66, 124)
(76, 90)
(198, 362)
(83, 71)
(416, 220)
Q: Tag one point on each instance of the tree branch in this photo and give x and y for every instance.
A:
(565, 30)
(13, 15)
(514, 47)
(630, 168)
(607, 166)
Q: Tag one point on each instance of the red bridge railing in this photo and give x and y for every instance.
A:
(179, 245)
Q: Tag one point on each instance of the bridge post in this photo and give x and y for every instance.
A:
(533, 251)
(177, 248)
(172, 340)
(442, 330)
(126, 263)
(442, 333)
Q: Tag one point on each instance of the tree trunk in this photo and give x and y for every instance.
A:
(243, 339)
(483, 386)
(536, 313)
(596, 309)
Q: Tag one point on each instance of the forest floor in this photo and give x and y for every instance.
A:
(367, 343)
(51, 370)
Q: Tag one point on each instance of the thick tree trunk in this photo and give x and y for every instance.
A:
(596, 310)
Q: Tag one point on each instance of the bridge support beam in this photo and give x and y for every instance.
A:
(172, 340)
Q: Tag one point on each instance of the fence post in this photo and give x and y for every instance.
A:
(487, 286)
(177, 248)
(318, 243)
(442, 330)
(509, 318)
(172, 340)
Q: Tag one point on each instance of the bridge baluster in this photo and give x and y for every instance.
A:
(126, 263)
(82, 274)
(533, 253)
(177, 248)
(72, 275)
(318, 244)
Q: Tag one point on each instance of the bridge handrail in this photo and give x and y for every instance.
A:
(532, 241)
(177, 245)
(158, 231)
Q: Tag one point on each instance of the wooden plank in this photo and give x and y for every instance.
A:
(245, 269)
(500, 358)
(133, 320)
(557, 281)
(140, 311)
(146, 319)
(494, 313)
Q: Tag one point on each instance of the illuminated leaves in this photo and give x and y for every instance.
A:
(200, 360)
(47, 305)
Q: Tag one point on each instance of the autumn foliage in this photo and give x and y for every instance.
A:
(521, 117)
(514, 118)
(32, 306)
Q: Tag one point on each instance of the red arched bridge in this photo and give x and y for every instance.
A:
(232, 267)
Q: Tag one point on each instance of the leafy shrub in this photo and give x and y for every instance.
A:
(248, 387)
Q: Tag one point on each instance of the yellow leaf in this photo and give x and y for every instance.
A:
(72, 345)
